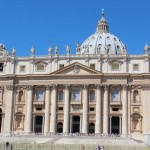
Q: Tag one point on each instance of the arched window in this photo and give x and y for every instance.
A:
(61, 95)
(40, 67)
(20, 96)
(115, 95)
(92, 95)
(76, 94)
(136, 96)
(39, 94)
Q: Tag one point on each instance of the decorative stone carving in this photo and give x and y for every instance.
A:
(54, 87)
(124, 87)
(47, 87)
(98, 86)
(106, 87)
(76, 69)
(29, 87)
(10, 87)
(85, 86)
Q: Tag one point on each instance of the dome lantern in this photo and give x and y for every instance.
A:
(102, 23)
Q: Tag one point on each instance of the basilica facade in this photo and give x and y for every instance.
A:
(99, 89)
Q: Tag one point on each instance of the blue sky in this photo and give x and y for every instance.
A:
(44, 23)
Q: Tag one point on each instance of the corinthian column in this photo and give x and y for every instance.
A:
(9, 110)
(29, 110)
(47, 110)
(124, 110)
(85, 110)
(53, 109)
(105, 110)
(98, 109)
(66, 111)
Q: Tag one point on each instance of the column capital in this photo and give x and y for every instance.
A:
(54, 86)
(47, 87)
(98, 86)
(29, 87)
(10, 87)
(67, 86)
(124, 87)
(85, 86)
(106, 87)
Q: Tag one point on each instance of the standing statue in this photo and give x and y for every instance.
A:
(106, 49)
(86, 49)
(13, 52)
(99, 48)
(56, 50)
(50, 49)
(78, 48)
(2, 47)
(68, 49)
(146, 48)
(32, 51)
(124, 50)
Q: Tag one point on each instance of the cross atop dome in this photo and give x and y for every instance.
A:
(102, 23)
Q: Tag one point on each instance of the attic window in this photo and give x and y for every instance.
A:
(61, 66)
(135, 67)
(22, 68)
(40, 67)
(92, 66)
(115, 67)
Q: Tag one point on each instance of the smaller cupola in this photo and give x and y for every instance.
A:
(102, 23)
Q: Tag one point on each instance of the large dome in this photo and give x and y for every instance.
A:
(103, 42)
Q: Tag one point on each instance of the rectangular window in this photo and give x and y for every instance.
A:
(60, 108)
(22, 68)
(92, 66)
(115, 109)
(91, 108)
(39, 109)
(61, 66)
(1, 67)
(135, 67)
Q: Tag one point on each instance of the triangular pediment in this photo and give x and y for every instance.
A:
(76, 69)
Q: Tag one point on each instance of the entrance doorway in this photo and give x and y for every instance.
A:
(38, 124)
(115, 125)
(91, 128)
(60, 127)
(75, 124)
(0, 119)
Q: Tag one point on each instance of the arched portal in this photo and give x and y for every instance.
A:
(60, 127)
(91, 128)
(0, 119)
